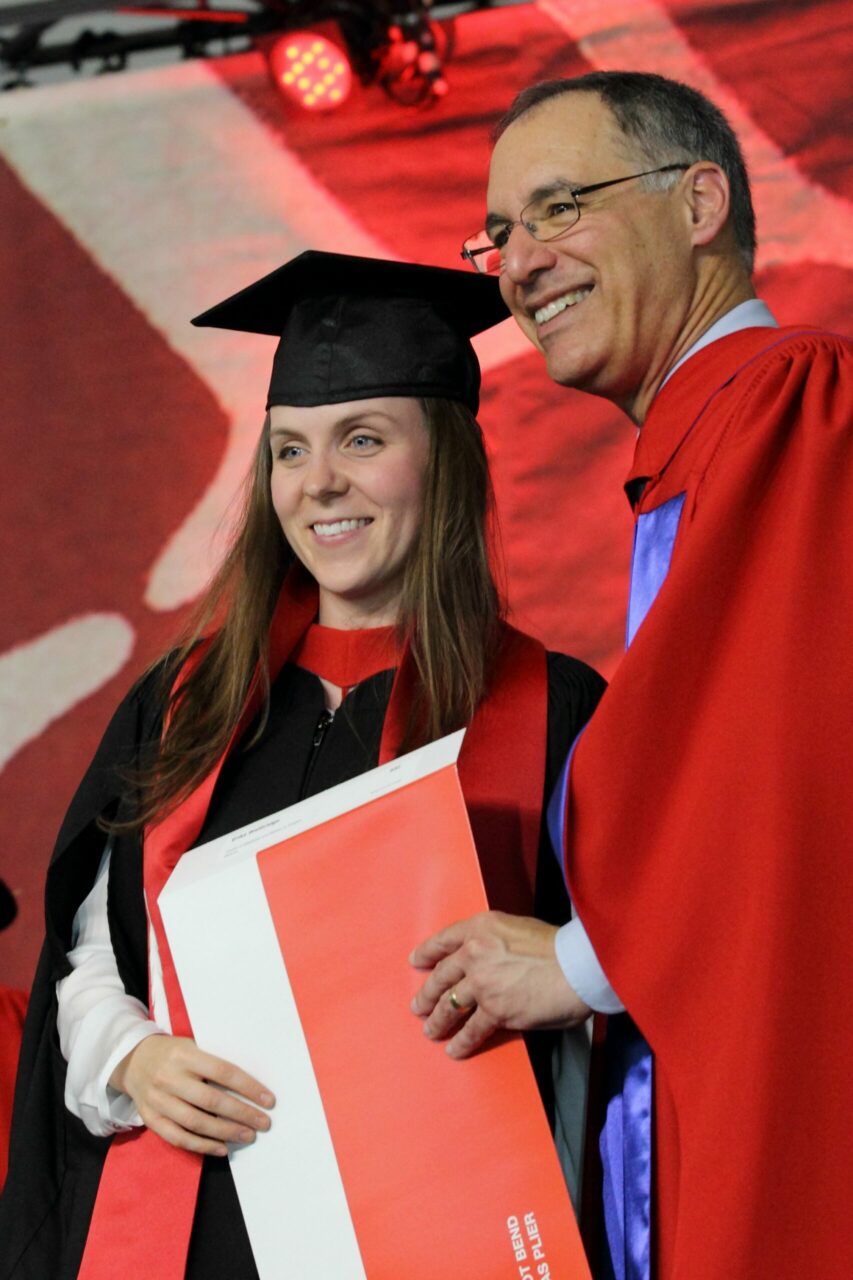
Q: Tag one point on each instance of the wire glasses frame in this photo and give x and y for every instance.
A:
(545, 218)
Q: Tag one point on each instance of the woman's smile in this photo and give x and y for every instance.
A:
(340, 529)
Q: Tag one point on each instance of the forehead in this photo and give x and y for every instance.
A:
(573, 137)
(402, 411)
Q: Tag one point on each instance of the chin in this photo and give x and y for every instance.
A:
(567, 373)
(581, 371)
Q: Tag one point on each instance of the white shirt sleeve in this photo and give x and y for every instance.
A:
(98, 1022)
(582, 970)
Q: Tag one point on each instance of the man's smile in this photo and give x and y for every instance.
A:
(556, 306)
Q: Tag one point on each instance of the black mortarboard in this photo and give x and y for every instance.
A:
(354, 328)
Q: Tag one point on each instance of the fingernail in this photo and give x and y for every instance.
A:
(221, 1151)
(414, 1005)
(246, 1135)
(263, 1122)
(450, 1051)
(267, 1100)
(428, 1031)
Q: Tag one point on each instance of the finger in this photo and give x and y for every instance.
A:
(446, 1015)
(205, 1125)
(217, 1101)
(179, 1137)
(231, 1077)
(441, 944)
(445, 975)
(472, 1035)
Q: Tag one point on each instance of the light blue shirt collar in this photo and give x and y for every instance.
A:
(752, 314)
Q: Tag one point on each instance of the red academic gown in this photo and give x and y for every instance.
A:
(710, 812)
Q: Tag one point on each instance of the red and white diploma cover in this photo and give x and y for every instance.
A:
(386, 1159)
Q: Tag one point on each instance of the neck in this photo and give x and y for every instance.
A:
(346, 615)
(709, 304)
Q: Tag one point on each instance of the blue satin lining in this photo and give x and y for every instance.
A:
(556, 811)
(626, 1150)
(654, 536)
(626, 1138)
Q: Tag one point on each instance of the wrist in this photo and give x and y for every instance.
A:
(121, 1077)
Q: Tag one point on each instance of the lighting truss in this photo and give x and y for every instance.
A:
(401, 44)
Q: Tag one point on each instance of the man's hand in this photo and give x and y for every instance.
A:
(503, 974)
(180, 1092)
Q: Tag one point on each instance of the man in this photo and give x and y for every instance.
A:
(705, 812)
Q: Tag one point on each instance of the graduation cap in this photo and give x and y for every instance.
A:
(353, 328)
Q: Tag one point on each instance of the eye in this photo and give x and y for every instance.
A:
(500, 234)
(362, 442)
(559, 207)
(289, 453)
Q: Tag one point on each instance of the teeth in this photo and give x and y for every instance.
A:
(339, 526)
(560, 304)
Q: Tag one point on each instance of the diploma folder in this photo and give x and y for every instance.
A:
(386, 1159)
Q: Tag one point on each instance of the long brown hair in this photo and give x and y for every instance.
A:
(450, 612)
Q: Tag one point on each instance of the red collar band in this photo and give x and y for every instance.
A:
(346, 658)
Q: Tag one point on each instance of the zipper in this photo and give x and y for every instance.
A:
(321, 728)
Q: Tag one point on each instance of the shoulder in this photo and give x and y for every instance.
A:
(137, 719)
(133, 729)
(106, 790)
(796, 362)
(795, 391)
(793, 339)
(574, 687)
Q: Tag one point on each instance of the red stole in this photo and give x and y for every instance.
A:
(142, 1219)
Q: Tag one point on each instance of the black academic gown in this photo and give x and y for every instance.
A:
(55, 1163)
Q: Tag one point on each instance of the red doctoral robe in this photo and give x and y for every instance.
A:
(710, 813)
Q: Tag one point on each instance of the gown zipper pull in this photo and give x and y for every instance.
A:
(326, 718)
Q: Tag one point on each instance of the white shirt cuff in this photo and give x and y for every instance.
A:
(582, 970)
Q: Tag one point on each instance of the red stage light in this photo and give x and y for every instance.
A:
(311, 70)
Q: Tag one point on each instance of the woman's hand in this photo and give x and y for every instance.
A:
(179, 1092)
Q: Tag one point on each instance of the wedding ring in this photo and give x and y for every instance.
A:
(456, 1003)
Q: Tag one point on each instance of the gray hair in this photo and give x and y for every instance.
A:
(668, 122)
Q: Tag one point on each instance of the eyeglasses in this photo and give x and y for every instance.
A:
(547, 217)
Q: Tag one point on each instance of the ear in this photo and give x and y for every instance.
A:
(708, 201)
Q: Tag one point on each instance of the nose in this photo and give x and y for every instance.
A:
(525, 257)
(324, 476)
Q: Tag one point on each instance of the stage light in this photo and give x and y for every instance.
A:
(311, 70)
(410, 69)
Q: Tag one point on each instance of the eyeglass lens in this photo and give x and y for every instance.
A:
(545, 218)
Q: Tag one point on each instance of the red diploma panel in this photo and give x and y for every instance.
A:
(385, 1158)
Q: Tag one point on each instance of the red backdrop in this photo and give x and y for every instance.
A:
(130, 202)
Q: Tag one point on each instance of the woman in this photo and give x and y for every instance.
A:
(355, 617)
